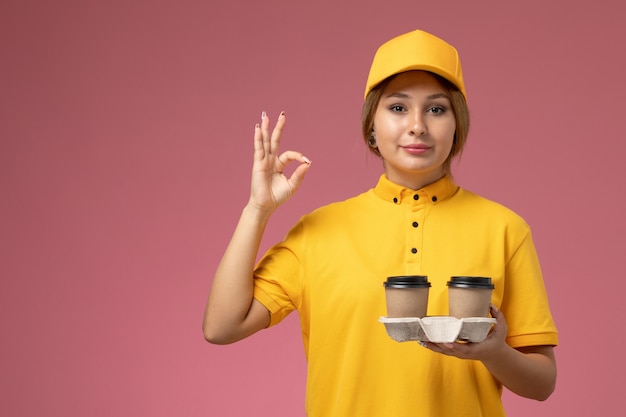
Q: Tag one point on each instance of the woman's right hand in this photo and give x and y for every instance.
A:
(270, 186)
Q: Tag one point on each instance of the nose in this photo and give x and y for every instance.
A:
(418, 125)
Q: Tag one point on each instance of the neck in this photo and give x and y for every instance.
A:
(415, 181)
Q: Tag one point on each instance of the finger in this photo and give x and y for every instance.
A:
(299, 172)
(497, 314)
(436, 347)
(501, 327)
(258, 141)
(265, 132)
(298, 175)
(277, 133)
(288, 157)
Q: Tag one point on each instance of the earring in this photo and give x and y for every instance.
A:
(372, 141)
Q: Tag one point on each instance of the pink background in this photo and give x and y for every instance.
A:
(125, 154)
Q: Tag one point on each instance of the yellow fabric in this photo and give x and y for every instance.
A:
(331, 268)
(416, 50)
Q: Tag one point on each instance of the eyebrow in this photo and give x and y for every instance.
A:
(430, 97)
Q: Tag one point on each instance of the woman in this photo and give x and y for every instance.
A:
(415, 221)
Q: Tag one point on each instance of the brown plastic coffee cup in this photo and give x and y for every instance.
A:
(407, 295)
(469, 296)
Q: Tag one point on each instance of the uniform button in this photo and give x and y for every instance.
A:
(416, 197)
(415, 224)
(434, 199)
(395, 200)
(413, 250)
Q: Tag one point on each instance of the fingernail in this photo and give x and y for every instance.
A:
(307, 160)
(494, 308)
(262, 115)
(282, 113)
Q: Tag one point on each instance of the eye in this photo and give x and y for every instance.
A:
(397, 108)
(437, 110)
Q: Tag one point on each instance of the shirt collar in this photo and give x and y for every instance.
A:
(435, 193)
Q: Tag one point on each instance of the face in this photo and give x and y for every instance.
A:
(414, 125)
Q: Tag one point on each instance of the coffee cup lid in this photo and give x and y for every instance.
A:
(407, 281)
(470, 282)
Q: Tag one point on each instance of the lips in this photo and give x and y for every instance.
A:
(416, 148)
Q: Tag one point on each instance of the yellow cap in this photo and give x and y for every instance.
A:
(417, 50)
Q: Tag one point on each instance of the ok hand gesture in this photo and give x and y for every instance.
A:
(270, 186)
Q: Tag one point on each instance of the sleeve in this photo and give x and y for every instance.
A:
(278, 276)
(525, 301)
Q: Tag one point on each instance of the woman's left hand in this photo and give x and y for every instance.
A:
(494, 342)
